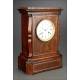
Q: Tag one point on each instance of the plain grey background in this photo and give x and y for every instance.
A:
(58, 74)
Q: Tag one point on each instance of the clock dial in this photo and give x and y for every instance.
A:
(45, 30)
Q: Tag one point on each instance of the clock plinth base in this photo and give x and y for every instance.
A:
(37, 64)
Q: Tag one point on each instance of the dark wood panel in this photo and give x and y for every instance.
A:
(46, 65)
(40, 47)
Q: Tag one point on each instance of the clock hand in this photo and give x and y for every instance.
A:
(40, 33)
(49, 32)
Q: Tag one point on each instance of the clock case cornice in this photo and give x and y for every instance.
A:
(37, 10)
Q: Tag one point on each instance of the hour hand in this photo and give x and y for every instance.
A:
(40, 33)
(49, 32)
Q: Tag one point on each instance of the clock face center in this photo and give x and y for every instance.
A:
(45, 30)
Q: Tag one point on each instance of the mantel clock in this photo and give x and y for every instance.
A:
(40, 35)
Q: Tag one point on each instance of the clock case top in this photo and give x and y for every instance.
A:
(34, 50)
(33, 10)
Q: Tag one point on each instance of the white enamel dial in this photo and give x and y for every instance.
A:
(45, 30)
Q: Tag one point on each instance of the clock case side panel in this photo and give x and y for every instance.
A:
(26, 37)
(26, 33)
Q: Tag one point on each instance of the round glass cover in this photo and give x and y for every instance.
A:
(45, 30)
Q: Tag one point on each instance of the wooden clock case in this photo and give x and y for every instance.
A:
(37, 56)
